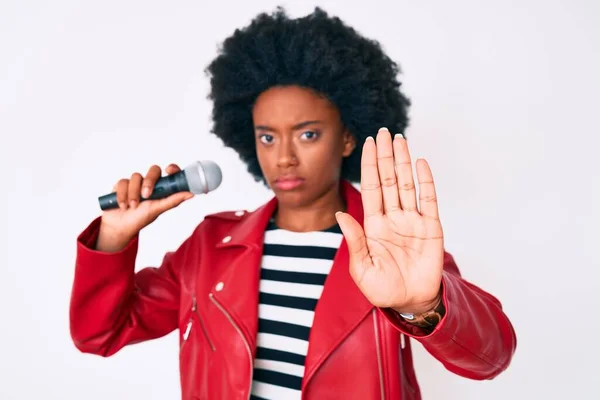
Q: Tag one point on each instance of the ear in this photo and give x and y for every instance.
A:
(349, 143)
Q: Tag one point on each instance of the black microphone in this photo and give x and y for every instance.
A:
(200, 177)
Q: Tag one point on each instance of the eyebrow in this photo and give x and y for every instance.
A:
(295, 127)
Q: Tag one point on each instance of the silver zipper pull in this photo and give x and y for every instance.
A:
(188, 328)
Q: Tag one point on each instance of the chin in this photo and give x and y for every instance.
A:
(292, 198)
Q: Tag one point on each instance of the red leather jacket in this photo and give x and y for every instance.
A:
(208, 290)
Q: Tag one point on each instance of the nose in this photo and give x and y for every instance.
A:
(286, 154)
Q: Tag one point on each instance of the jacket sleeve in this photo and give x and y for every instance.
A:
(474, 339)
(112, 306)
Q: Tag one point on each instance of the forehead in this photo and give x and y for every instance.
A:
(290, 105)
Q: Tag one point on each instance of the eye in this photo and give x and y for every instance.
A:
(309, 135)
(266, 139)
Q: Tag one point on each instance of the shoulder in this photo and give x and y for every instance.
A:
(237, 223)
(236, 215)
(218, 226)
(227, 219)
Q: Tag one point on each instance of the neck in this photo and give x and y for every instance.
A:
(318, 215)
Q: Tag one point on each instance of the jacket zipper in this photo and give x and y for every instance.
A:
(195, 309)
(188, 328)
(379, 365)
(239, 331)
(186, 334)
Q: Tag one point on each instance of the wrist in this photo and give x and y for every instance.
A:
(427, 319)
(419, 308)
(112, 241)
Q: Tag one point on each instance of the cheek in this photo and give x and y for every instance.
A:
(269, 157)
(263, 156)
(325, 160)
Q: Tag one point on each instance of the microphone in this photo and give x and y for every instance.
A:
(200, 177)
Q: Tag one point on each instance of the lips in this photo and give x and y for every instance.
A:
(288, 182)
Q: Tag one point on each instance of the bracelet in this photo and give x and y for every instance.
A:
(429, 319)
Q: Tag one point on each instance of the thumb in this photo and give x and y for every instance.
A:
(355, 236)
(163, 205)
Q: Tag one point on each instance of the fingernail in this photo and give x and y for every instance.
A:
(132, 204)
(146, 192)
(399, 135)
(383, 129)
(370, 138)
(338, 213)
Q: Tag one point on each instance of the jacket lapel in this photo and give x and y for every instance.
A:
(342, 305)
(236, 289)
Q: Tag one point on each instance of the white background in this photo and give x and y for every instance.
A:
(505, 108)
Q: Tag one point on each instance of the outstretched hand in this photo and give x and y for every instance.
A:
(397, 259)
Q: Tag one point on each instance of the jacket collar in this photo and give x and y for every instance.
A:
(339, 310)
(250, 231)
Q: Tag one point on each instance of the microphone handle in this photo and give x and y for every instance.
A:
(164, 187)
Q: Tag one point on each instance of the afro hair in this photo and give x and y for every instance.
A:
(317, 52)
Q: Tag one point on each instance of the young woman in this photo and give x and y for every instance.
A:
(316, 294)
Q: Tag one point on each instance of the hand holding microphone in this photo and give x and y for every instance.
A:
(137, 202)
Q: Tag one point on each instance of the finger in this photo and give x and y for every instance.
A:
(150, 180)
(406, 183)
(356, 241)
(354, 235)
(121, 190)
(369, 180)
(135, 187)
(172, 169)
(427, 195)
(387, 174)
(160, 206)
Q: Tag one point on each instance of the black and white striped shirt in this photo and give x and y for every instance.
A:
(293, 271)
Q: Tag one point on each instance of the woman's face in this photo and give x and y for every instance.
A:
(300, 143)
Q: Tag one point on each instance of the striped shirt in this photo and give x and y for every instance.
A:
(293, 271)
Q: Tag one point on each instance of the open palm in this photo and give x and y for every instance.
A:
(396, 257)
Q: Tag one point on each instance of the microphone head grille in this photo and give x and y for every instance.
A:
(203, 176)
